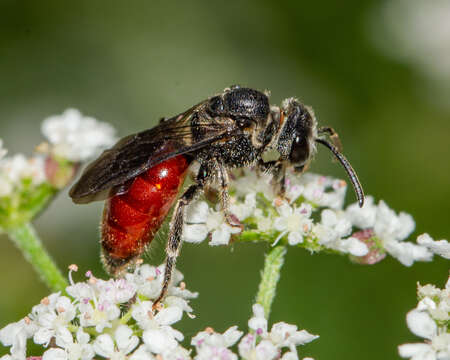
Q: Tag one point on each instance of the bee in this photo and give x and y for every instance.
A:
(140, 176)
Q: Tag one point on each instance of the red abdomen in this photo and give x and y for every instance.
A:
(131, 220)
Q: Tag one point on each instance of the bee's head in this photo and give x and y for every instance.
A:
(297, 137)
(297, 132)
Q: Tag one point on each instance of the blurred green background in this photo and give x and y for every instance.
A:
(130, 63)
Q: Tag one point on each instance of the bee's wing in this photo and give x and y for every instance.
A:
(137, 153)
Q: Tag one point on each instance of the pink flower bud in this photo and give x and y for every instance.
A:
(59, 174)
(374, 255)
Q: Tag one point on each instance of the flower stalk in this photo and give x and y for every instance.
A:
(27, 241)
(269, 277)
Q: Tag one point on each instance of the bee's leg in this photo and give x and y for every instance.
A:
(334, 137)
(279, 180)
(224, 196)
(176, 228)
(278, 170)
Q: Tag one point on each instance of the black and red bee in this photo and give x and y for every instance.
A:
(140, 177)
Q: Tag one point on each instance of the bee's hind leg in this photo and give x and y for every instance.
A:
(176, 230)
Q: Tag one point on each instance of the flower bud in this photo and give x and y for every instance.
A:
(375, 254)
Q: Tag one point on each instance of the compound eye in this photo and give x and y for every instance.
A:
(216, 105)
(299, 151)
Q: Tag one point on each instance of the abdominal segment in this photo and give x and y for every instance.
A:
(131, 220)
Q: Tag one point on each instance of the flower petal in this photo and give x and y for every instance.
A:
(104, 345)
(194, 233)
(125, 339)
(421, 324)
(159, 341)
(54, 354)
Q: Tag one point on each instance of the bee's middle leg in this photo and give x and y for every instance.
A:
(224, 197)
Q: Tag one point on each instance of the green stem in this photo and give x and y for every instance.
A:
(126, 317)
(26, 239)
(269, 278)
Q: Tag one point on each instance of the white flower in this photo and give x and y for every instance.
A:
(428, 290)
(406, 252)
(211, 345)
(99, 315)
(352, 246)
(338, 225)
(115, 291)
(363, 218)
(264, 350)
(321, 190)
(97, 303)
(437, 349)
(287, 335)
(76, 137)
(66, 322)
(98, 300)
(334, 226)
(194, 228)
(116, 349)
(280, 336)
(15, 169)
(141, 353)
(391, 229)
(159, 336)
(53, 313)
(290, 356)
(294, 222)
(252, 182)
(428, 320)
(258, 323)
(54, 354)
(390, 226)
(244, 209)
(148, 281)
(421, 324)
(179, 353)
(202, 220)
(263, 223)
(16, 335)
(439, 247)
(161, 340)
(79, 349)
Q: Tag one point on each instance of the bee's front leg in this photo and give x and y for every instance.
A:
(334, 137)
(278, 170)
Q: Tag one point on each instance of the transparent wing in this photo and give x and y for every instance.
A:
(137, 153)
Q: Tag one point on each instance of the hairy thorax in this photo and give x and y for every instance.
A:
(237, 152)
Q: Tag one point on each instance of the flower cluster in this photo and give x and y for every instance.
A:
(76, 137)
(429, 320)
(312, 215)
(18, 171)
(27, 183)
(114, 319)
